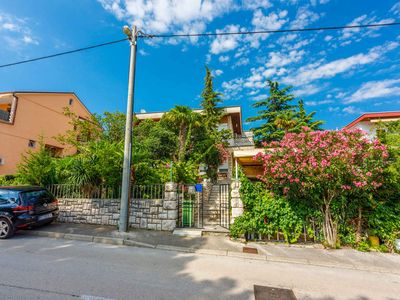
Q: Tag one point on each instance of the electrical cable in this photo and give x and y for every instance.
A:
(144, 35)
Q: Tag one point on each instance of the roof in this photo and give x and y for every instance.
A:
(159, 114)
(48, 92)
(374, 116)
(230, 110)
(21, 188)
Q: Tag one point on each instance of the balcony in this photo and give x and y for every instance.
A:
(246, 140)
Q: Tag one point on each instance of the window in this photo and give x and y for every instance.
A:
(8, 104)
(2, 161)
(41, 196)
(32, 144)
(10, 196)
(71, 101)
(54, 151)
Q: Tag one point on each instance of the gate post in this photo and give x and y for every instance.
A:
(236, 202)
(170, 207)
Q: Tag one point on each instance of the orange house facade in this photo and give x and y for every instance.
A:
(26, 117)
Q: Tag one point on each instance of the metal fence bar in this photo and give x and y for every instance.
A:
(152, 191)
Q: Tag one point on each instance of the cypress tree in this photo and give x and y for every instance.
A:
(209, 102)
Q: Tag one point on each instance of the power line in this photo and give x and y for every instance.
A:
(269, 31)
(62, 53)
(143, 35)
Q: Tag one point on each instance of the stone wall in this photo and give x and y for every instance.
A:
(153, 214)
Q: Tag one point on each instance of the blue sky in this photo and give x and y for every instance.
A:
(339, 74)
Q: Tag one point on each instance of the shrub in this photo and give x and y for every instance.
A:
(321, 167)
(384, 222)
(266, 214)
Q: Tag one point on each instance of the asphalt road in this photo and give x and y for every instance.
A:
(43, 268)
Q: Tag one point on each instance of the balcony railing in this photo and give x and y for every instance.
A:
(241, 141)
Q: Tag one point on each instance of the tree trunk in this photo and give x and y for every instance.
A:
(359, 226)
(329, 227)
(182, 141)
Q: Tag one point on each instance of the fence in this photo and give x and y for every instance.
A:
(311, 235)
(71, 191)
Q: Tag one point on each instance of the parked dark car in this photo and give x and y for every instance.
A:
(24, 207)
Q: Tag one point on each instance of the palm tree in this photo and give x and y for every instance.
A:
(183, 118)
(286, 121)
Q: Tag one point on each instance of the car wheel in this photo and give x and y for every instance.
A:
(6, 228)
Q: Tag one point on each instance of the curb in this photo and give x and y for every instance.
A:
(260, 257)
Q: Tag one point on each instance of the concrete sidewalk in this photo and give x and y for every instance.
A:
(223, 246)
(141, 238)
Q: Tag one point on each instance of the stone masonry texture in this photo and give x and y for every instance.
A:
(152, 214)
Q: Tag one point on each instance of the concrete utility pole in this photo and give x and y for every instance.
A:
(126, 173)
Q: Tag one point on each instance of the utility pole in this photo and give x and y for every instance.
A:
(126, 173)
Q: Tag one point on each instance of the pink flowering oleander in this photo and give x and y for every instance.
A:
(337, 160)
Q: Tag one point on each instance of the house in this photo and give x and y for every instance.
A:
(25, 117)
(241, 145)
(368, 121)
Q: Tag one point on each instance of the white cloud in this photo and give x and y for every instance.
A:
(319, 70)
(260, 22)
(304, 17)
(29, 40)
(318, 103)
(376, 89)
(225, 43)
(277, 59)
(10, 26)
(158, 16)
(333, 109)
(352, 110)
(15, 31)
(143, 52)
(254, 4)
(351, 33)
(259, 97)
(217, 72)
(396, 8)
(328, 38)
(316, 2)
(307, 90)
(223, 58)
(286, 38)
(208, 58)
(232, 88)
(340, 95)
(243, 61)
(272, 21)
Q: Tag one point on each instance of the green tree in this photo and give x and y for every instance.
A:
(113, 126)
(277, 116)
(81, 132)
(37, 168)
(272, 113)
(210, 100)
(213, 140)
(304, 119)
(323, 168)
(184, 120)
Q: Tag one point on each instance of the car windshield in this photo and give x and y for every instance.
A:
(33, 197)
